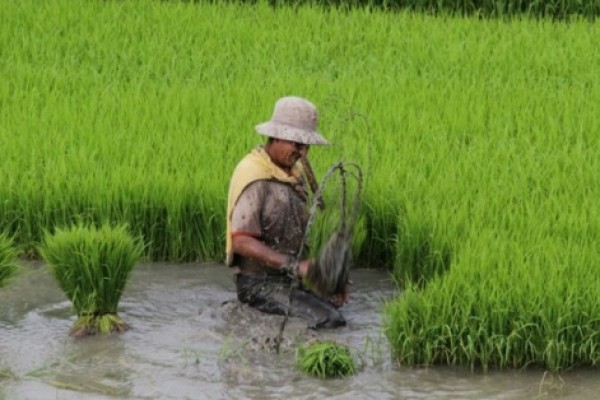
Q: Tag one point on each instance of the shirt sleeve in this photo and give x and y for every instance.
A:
(245, 218)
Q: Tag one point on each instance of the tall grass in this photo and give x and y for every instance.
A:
(92, 266)
(476, 137)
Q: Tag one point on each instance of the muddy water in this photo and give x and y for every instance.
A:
(190, 339)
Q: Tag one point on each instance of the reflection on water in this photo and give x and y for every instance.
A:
(191, 339)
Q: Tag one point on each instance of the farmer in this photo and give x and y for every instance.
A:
(267, 215)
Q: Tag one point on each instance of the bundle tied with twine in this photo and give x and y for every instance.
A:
(331, 272)
(92, 266)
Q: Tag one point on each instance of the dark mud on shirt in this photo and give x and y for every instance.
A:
(276, 213)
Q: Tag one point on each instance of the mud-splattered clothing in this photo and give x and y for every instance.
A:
(275, 213)
(256, 166)
(271, 294)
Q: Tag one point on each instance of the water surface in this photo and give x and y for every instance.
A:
(190, 339)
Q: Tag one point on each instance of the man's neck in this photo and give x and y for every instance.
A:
(269, 151)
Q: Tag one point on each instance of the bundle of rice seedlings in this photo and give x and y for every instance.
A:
(8, 256)
(92, 266)
(325, 359)
(331, 272)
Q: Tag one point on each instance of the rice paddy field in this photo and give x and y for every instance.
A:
(479, 140)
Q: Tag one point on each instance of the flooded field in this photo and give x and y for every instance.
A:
(190, 339)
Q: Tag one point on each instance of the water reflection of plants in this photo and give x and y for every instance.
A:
(92, 266)
(6, 374)
(375, 350)
(99, 367)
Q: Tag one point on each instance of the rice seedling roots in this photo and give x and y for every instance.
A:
(98, 324)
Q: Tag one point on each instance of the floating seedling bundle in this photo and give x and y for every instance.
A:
(92, 266)
(325, 359)
(8, 255)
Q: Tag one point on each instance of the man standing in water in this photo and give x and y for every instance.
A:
(267, 216)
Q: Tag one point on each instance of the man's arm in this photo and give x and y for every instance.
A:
(251, 247)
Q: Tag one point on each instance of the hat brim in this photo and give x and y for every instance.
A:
(287, 132)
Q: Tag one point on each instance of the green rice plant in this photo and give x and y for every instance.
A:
(459, 147)
(92, 265)
(487, 313)
(105, 101)
(8, 255)
(421, 252)
(325, 359)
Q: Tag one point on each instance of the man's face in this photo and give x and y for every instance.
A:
(286, 153)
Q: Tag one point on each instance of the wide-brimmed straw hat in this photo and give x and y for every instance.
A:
(294, 119)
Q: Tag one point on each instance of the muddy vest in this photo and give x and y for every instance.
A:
(256, 166)
(274, 212)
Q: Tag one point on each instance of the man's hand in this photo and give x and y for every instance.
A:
(337, 300)
(340, 299)
(303, 268)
